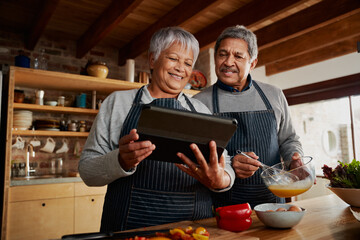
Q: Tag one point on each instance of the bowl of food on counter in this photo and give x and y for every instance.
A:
(279, 215)
(345, 181)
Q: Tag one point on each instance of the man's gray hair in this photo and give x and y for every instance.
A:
(162, 39)
(240, 32)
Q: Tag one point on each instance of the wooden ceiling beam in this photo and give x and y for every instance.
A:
(109, 19)
(248, 15)
(43, 17)
(325, 36)
(179, 14)
(333, 88)
(336, 50)
(305, 21)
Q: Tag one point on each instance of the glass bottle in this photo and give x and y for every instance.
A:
(82, 126)
(21, 172)
(41, 62)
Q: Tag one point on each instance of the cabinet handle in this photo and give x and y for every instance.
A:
(43, 204)
(93, 200)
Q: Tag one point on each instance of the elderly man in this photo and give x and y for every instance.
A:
(265, 131)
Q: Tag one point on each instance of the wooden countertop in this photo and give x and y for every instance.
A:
(327, 217)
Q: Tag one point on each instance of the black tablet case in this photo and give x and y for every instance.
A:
(173, 131)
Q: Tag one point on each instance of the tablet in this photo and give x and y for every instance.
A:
(173, 131)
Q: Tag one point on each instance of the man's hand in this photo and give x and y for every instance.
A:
(297, 162)
(131, 153)
(245, 167)
(211, 174)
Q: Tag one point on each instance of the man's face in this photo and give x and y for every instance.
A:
(232, 62)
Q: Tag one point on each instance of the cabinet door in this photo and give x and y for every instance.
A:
(88, 211)
(40, 219)
(82, 190)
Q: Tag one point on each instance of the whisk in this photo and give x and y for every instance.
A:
(278, 175)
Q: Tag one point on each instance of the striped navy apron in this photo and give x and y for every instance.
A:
(158, 192)
(256, 132)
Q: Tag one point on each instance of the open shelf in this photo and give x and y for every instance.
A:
(49, 133)
(33, 78)
(54, 109)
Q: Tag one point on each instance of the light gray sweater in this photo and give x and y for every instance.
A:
(250, 100)
(99, 163)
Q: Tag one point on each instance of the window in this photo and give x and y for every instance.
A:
(325, 130)
(326, 116)
(355, 103)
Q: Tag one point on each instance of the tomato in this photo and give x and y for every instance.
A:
(189, 230)
(200, 230)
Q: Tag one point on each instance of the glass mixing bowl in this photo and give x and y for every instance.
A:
(303, 179)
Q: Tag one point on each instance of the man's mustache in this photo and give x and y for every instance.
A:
(228, 69)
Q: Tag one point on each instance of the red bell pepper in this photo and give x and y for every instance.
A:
(234, 218)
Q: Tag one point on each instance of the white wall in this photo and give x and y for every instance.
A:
(322, 71)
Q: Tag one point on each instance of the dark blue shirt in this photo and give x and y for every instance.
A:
(225, 87)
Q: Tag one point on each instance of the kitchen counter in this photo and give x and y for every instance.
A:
(44, 181)
(326, 217)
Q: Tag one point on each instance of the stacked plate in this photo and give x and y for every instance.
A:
(47, 124)
(22, 119)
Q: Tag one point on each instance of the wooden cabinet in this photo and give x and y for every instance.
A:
(40, 211)
(52, 210)
(89, 203)
(88, 211)
(41, 219)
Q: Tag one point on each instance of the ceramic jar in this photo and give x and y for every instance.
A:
(98, 69)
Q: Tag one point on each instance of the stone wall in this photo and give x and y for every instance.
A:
(60, 55)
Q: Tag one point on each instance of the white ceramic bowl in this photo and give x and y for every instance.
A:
(275, 219)
(51, 103)
(349, 195)
(356, 212)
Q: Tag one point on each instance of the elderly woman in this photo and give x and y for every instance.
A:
(144, 193)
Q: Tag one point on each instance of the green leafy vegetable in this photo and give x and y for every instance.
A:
(344, 175)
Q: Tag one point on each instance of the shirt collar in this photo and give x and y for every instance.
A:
(228, 88)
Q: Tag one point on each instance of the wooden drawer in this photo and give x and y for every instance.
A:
(36, 192)
(82, 190)
(40, 219)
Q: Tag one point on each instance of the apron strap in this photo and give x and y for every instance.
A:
(263, 97)
(192, 108)
(215, 99)
(138, 95)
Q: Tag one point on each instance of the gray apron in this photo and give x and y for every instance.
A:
(256, 132)
(158, 192)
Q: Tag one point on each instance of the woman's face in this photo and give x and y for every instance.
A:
(171, 71)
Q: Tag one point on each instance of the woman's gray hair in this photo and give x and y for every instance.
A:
(240, 32)
(162, 39)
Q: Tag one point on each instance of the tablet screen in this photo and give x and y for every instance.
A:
(173, 131)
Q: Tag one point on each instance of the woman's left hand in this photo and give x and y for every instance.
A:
(211, 174)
